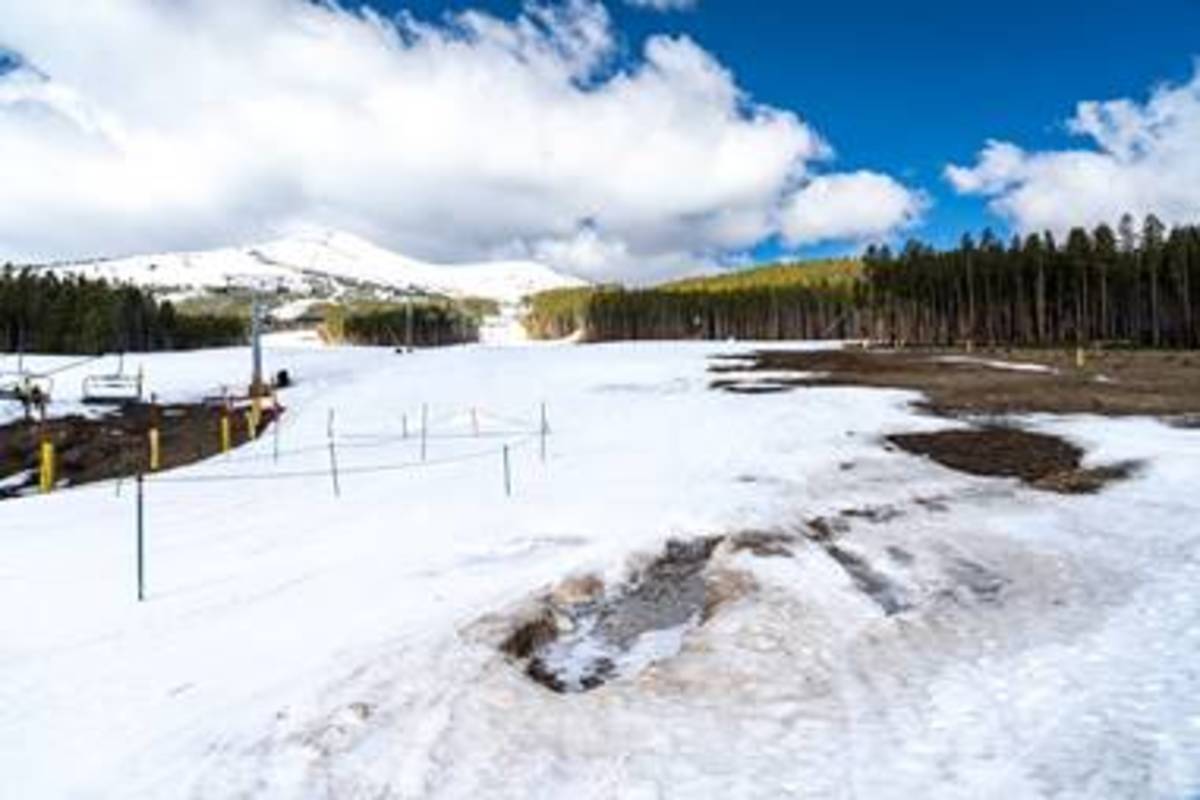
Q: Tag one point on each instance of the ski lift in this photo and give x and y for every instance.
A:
(115, 388)
(25, 386)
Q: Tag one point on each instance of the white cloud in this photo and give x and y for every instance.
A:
(1142, 158)
(142, 126)
(853, 206)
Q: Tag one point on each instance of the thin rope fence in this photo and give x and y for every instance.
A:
(365, 440)
(498, 444)
(353, 470)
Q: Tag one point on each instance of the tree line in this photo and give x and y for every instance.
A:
(1133, 286)
(425, 323)
(44, 313)
(779, 301)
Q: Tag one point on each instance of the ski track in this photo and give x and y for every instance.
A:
(300, 646)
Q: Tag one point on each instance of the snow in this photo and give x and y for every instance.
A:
(320, 263)
(292, 310)
(298, 644)
(1012, 366)
(504, 328)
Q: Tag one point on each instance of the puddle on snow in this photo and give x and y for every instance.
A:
(586, 636)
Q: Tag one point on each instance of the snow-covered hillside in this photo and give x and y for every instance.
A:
(323, 264)
(298, 644)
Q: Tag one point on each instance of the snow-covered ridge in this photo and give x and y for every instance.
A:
(322, 264)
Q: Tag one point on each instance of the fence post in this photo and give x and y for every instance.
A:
(141, 538)
(424, 428)
(225, 433)
(155, 450)
(333, 468)
(544, 430)
(475, 421)
(404, 426)
(255, 415)
(200, 431)
(507, 473)
(46, 466)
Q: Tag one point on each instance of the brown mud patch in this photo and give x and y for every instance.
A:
(116, 445)
(1112, 382)
(1037, 459)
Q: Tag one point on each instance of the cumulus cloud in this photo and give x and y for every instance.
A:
(850, 206)
(1140, 157)
(142, 125)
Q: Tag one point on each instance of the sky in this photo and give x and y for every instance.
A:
(625, 140)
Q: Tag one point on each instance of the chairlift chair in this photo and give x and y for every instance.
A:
(11, 381)
(26, 387)
(10, 385)
(23, 385)
(114, 388)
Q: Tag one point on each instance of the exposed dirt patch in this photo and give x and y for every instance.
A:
(764, 544)
(725, 587)
(1117, 382)
(531, 635)
(1042, 461)
(757, 387)
(874, 514)
(825, 529)
(116, 445)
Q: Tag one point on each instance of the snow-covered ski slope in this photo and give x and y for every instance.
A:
(306, 263)
(299, 645)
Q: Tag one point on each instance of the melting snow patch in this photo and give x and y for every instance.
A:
(584, 636)
(1012, 366)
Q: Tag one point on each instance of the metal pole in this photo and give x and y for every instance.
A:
(141, 538)
(256, 381)
(404, 426)
(507, 474)
(475, 420)
(408, 324)
(424, 428)
(545, 429)
(333, 468)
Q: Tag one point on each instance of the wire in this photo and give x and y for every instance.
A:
(71, 365)
(324, 473)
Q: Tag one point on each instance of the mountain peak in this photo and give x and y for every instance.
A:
(319, 261)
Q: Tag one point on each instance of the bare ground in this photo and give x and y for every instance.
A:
(116, 445)
(1117, 382)
(1044, 462)
(955, 384)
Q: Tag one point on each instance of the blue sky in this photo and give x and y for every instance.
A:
(608, 140)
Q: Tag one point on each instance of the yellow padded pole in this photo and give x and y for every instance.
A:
(46, 467)
(155, 451)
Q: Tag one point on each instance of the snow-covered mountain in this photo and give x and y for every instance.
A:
(321, 265)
